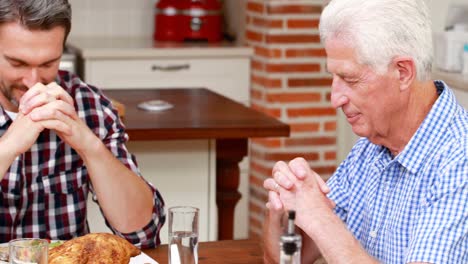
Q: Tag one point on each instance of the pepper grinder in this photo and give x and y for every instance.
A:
(290, 243)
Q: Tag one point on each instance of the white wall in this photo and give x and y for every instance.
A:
(439, 9)
(112, 18)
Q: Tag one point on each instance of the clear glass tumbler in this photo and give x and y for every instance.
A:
(183, 235)
(28, 251)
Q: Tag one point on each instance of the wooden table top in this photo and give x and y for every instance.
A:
(197, 114)
(224, 251)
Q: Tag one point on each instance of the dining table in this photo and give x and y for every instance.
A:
(202, 114)
(215, 252)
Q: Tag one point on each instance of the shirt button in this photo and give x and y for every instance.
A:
(373, 234)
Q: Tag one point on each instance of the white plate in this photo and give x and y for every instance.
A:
(142, 259)
(155, 105)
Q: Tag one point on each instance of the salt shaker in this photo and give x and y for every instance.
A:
(290, 243)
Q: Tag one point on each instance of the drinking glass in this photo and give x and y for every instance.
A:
(183, 235)
(28, 251)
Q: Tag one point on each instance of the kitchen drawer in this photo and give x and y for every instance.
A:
(229, 77)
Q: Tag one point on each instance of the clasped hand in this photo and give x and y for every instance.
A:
(45, 107)
(295, 186)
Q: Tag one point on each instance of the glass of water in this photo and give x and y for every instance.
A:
(28, 251)
(183, 235)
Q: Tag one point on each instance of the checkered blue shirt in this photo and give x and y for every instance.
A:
(413, 207)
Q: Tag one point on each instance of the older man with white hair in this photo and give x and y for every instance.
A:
(401, 195)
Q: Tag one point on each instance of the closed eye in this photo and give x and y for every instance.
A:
(350, 81)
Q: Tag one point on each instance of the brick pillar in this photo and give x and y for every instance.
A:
(288, 82)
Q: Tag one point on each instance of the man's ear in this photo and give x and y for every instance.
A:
(407, 71)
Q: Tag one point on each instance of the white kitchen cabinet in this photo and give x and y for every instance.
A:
(184, 171)
(226, 76)
(122, 63)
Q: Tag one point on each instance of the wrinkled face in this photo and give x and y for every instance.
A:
(26, 58)
(369, 100)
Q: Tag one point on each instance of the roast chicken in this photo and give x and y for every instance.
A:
(96, 248)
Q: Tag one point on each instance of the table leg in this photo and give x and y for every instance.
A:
(229, 152)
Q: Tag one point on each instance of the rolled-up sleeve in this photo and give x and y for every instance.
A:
(112, 132)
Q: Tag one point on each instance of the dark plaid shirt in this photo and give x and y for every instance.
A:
(44, 192)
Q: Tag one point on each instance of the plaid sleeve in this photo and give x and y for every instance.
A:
(106, 123)
(148, 236)
(441, 235)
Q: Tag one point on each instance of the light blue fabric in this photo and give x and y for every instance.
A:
(413, 207)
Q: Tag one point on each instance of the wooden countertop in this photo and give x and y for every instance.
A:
(197, 114)
(226, 252)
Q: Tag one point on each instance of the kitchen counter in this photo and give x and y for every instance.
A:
(144, 48)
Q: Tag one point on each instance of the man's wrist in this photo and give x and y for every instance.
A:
(314, 223)
(94, 146)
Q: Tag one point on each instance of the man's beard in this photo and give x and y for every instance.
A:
(8, 92)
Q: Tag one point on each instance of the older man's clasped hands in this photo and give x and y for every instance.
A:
(295, 186)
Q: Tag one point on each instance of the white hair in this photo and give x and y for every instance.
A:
(382, 29)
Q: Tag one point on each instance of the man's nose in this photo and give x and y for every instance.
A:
(338, 95)
(31, 77)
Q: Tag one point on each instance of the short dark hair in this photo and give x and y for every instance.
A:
(37, 14)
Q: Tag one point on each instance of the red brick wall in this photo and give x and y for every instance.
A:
(288, 82)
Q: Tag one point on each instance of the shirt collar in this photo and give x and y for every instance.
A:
(4, 118)
(430, 133)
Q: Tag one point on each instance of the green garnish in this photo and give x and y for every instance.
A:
(55, 244)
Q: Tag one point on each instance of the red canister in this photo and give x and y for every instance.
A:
(180, 20)
(167, 20)
(201, 20)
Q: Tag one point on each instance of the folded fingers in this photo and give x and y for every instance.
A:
(274, 202)
(283, 175)
(302, 170)
(41, 94)
(58, 92)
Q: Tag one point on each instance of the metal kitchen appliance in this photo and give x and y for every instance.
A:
(180, 20)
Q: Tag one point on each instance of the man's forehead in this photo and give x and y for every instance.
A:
(341, 55)
(342, 66)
